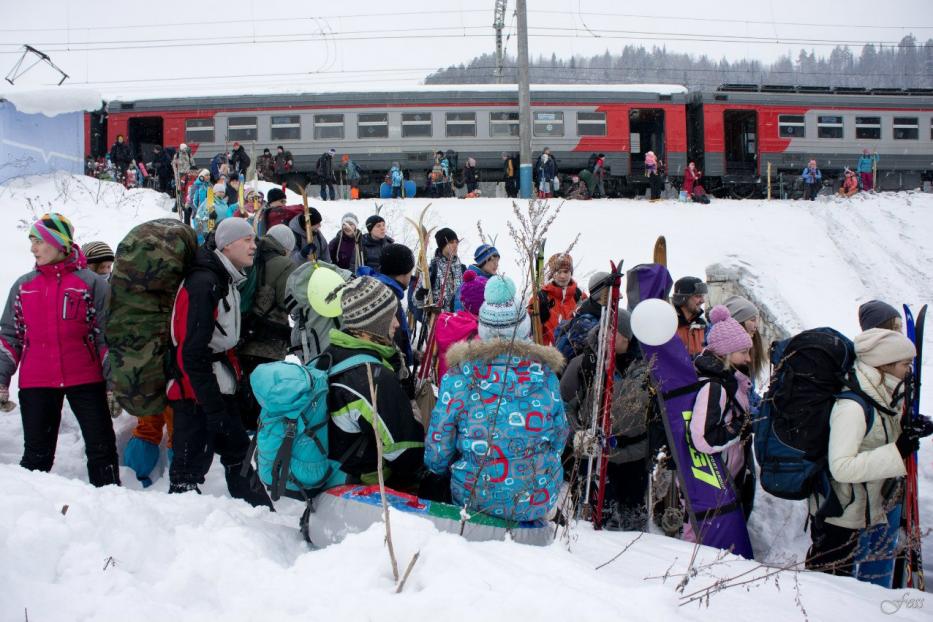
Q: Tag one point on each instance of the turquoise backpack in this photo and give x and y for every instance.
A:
(291, 443)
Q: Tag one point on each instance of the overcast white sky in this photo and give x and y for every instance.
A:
(135, 48)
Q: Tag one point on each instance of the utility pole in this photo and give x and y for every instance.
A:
(524, 103)
(499, 23)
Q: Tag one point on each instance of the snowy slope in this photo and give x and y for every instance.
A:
(209, 557)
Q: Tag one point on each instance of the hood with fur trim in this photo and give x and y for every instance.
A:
(487, 350)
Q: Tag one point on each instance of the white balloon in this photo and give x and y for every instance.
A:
(654, 322)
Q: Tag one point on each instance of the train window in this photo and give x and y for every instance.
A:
(416, 124)
(241, 128)
(548, 123)
(829, 126)
(328, 126)
(791, 126)
(199, 130)
(906, 128)
(461, 124)
(372, 125)
(285, 127)
(591, 124)
(503, 124)
(868, 128)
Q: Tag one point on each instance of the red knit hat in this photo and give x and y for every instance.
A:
(726, 336)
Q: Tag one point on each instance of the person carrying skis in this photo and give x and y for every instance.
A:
(368, 326)
(866, 454)
(373, 241)
(325, 171)
(265, 331)
(445, 271)
(499, 426)
(812, 180)
(397, 179)
(51, 331)
(721, 423)
(283, 164)
(265, 166)
(866, 169)
(559, 297)
(688, 298)
(206, 373)
(318, 247)
(345, 248)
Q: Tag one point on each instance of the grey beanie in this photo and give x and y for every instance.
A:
(624, 324)
(230, 230)
(595, 282)
(874, 313)
(284, 236)
(741, 309)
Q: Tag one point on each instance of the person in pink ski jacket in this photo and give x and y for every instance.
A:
(52, 332)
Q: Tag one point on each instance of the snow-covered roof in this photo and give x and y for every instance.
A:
(53, 101)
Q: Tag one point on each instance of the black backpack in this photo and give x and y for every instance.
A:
(591, 163)
(811, 371)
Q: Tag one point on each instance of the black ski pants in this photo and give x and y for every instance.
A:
(656, 184)
(41, 410)
(833, 549)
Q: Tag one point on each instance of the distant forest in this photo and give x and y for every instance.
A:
(906, 65)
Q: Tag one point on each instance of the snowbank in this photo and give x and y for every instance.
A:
(120, 552)
(54, 101)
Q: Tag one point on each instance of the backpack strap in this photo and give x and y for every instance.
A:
(686, 389)
(354, 361)
(868, 405)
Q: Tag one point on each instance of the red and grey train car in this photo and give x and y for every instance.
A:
(732, 133)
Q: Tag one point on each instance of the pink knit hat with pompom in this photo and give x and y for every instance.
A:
(726, 336)
(471, 292)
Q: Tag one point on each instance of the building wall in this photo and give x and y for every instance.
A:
(34, 144)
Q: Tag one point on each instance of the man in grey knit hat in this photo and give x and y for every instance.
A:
(370, 389)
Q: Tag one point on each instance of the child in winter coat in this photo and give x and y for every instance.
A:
(398, 180)
(849, 185)
(461, 325)
(445, 272)
(812, 179)
(559, 297)
(499, 425)
(720, 424)
(52, 332)
(866, 454)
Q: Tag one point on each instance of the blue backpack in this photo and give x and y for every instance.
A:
(570, 335)
(811, 371)
(291, 443)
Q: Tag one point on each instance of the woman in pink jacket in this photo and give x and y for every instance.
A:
(51, 330)
(720, 423)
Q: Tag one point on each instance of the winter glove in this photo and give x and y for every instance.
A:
(5, 404)
(308, 249)
(915, 429)
(115, 409)
(217, 422)
(212, 215)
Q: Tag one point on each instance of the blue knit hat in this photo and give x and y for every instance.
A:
(501, 316)
(483, 253)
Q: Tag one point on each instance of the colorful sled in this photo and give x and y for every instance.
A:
(343, 510)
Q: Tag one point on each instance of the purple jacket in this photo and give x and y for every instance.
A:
(52, 324)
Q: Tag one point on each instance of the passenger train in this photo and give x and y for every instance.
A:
(732, 133)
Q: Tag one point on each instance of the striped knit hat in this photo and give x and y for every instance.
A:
(97, 252)
(368, 306)
(54, 229)
(501, 316)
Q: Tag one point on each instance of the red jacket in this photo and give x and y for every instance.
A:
(52, 326)
(691, 178)
(557, 304)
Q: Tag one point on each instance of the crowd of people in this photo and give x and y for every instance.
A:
(511, 412)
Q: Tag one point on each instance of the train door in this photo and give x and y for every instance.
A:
(143, 134)
(646, 132)
(740, 128)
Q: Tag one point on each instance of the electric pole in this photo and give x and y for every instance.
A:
(499, 23)
(524, 103)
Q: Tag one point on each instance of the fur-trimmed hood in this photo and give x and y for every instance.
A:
(487, 350)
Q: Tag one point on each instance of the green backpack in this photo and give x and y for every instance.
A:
(151, 263)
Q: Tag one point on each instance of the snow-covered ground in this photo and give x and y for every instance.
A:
(125, 553)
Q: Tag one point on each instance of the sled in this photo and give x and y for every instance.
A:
(353, 508)
(385, 191)
(411, 188)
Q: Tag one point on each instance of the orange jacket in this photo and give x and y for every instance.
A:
(692, 332)
(557, 304)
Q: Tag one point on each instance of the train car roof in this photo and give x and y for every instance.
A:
(827, 98)
(409, 94)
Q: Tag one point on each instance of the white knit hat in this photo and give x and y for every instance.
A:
(878, 347)
(284, 236)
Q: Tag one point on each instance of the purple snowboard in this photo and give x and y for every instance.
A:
(712, 503)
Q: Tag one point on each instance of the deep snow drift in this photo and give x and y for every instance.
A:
(121, 553)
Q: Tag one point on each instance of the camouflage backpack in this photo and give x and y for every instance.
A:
(150, 264)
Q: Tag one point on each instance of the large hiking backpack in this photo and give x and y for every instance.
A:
(811, 371)
(570, 335)
(311, 332)
(151, 262)
(291, 443)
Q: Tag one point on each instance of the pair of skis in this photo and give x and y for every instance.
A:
(908, 566)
